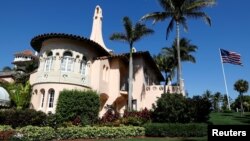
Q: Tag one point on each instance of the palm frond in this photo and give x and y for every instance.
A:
(197, 15)
(183, 22)
(167, 5)
(199, 4)
(170, 27)
(157, 16)
(119, 37)
(127, 23)
(141, 30)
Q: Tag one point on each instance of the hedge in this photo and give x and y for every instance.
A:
(175, 130)
(21, 118)
(78, 107)
(34, 133)
(99, 132)
(5, 128)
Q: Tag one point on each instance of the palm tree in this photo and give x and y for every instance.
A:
(131, 35)
(208, 95)
(165, 64)
(241, 86)
(20, 94)
(178, 11)
(186, 48)
(217, 97)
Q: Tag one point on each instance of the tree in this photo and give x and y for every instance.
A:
(217, 97)
(22, 73)
(178, 11)
(131, 35)
(186, 48)
(167, 60)
(208, 95)
(166, 65)
(246, 102)
(241, 86)
(6, 69)
(20, 94)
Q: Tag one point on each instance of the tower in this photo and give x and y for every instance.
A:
(96, 34)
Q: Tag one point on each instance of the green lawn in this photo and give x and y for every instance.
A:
(230, 118)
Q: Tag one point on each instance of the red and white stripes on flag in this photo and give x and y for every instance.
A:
(230, 57)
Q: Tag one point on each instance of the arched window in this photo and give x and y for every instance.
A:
(48, 61)
(67, 62)
(83, 66)
(51, 97)
(42, 91)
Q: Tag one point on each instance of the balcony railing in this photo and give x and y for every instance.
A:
(169, 89)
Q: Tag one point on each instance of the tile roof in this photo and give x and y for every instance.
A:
(37, 41)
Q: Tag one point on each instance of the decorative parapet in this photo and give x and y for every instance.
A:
(160, 88)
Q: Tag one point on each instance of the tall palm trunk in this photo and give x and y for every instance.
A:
(179, 77)
(166, 81)
(130, 79)
(241, 105)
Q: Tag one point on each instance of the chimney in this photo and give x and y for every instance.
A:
(96, 34)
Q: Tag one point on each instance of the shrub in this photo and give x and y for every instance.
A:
(34, 133)
(99, 132)
(136, 118)
(199, 109)
(171, 108)
(5, 128)
(175, 130)
(53, 120)
(20, 118)
(110, 118)
(74, 103)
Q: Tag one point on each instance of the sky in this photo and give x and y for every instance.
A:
(21, 20)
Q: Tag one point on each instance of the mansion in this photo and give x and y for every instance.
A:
(69, 61)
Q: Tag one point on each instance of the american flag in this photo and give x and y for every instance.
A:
(230, 57)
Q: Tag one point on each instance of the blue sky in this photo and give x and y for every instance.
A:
(21, 20)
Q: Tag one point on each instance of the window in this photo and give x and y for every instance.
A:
(42, 97)
(67, 62)
(51, 97)
(48, 61)
(83, 66)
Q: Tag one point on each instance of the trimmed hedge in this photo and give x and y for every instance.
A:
(99, 132)
(78, 107)
(5, 128)
(34, 133)
(21, 118)
(175, 130)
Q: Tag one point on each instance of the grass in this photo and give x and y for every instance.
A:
(230, 118)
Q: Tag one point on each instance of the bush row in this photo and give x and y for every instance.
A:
(34, 133)
(20, 118)
(175, 130)
(100, 132)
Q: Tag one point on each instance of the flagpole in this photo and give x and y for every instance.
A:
(225, 81)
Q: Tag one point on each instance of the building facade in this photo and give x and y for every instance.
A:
(69, 61)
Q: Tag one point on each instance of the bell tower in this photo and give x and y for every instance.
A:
(96, 34)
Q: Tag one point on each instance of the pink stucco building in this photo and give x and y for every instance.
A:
(73, 62)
